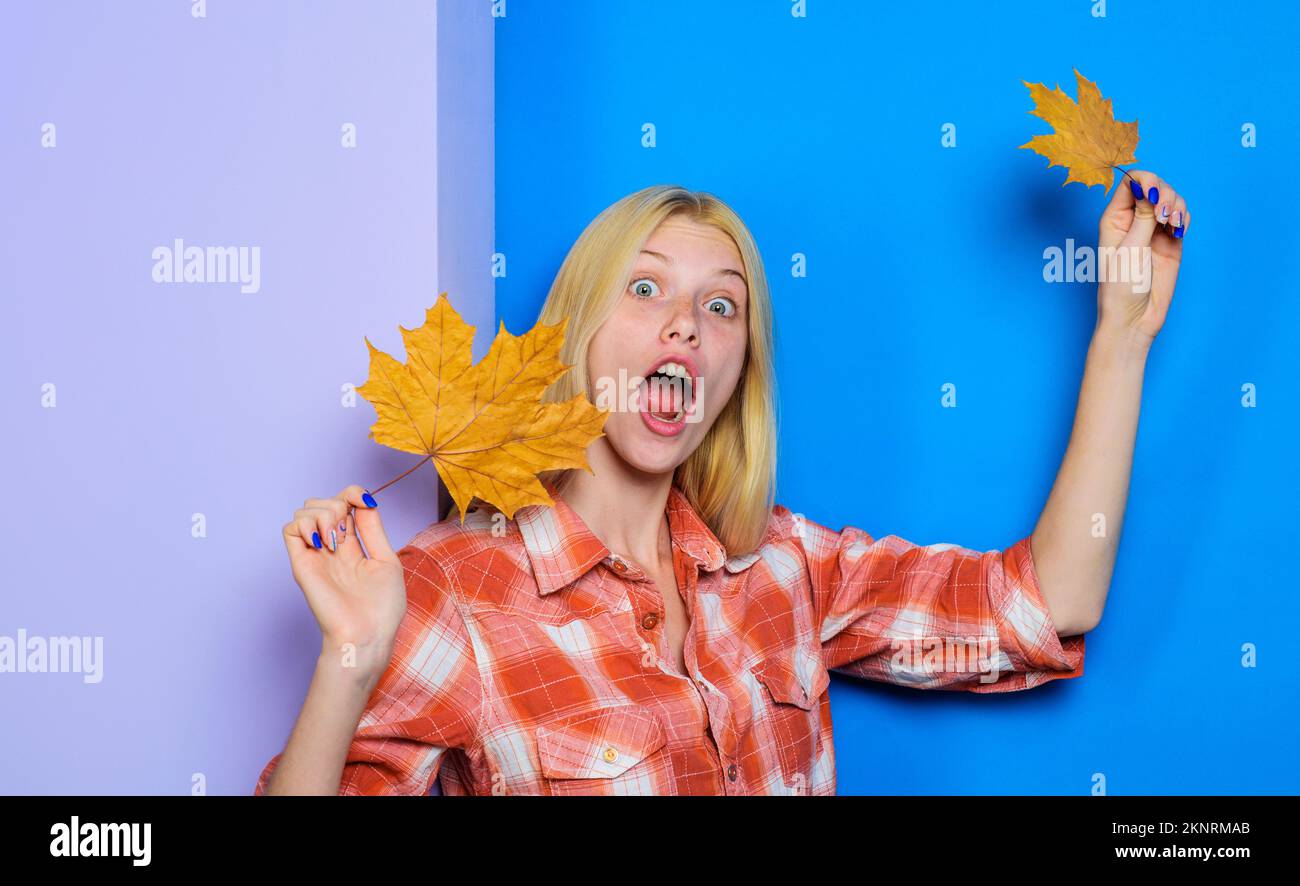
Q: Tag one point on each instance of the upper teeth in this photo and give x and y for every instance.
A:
(675, 369)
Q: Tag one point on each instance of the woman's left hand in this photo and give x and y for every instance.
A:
(1136, 304)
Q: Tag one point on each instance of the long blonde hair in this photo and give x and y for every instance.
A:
(730, 478)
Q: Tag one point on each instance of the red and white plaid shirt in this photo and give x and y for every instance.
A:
(533, 660)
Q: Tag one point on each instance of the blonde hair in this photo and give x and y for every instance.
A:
(730, 478)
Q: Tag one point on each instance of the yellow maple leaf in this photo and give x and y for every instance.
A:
(1088, 140)
(483, 426)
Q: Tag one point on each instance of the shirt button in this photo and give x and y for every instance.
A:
(649, 621)
(731, 772)
(610, 755)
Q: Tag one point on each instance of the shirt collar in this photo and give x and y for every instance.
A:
(561, 548)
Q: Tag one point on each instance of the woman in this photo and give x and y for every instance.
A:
(664, 627)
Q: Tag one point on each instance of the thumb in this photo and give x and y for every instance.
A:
(1144, 210)
(370, 528)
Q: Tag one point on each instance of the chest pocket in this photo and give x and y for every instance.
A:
(791, 716)
(609, 750)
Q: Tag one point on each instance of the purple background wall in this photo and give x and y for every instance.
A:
(197, 398)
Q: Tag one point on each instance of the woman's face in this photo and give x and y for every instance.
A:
(685, 303)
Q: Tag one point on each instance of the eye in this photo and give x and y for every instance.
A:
(641, 284)
(723, 303)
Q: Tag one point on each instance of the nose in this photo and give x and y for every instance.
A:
(682, 325)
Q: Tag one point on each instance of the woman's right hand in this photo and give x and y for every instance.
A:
(356, 599)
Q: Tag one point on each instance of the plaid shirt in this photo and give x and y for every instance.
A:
(533, 660)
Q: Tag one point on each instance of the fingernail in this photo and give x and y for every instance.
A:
(315, 539)
(334, 546)
(1178, 232)
(343, 527)
(1137, 188)
(1164, 212)
(1153, 195)
(1178, 219)
(369, 500)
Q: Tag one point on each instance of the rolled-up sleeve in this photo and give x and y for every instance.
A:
(936, 616)
(428, 701)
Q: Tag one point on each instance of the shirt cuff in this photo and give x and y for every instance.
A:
(1026, 632)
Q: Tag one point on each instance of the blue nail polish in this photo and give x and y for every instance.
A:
(1178, 232)
(1137, 189)
(1153, 195)
(315, 539)
(369, 500)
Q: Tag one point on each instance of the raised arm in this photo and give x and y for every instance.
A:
(1075, 541)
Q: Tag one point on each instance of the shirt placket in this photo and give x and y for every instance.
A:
(688, 574)
(638, 583)
(648, 613)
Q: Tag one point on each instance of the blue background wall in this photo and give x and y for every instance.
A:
(924, 268)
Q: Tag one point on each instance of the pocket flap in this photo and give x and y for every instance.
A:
(602, 743)
(799, 681)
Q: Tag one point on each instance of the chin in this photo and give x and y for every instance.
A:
(652, 462)
(660, 456)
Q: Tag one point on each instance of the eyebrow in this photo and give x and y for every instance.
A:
(668, 260)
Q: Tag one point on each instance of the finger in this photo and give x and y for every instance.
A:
(1117, 218)
(326, 528)
(1144, 216)
(347, 499)
(335, 506)
(331, 520)
(1164, 210)
(303, 528)
(349, 551)
(369, 527)
(1126, 194)
(355, 496)
(1178, 221)
(313, 526)
(294, 541)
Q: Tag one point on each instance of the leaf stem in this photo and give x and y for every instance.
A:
(1125, 171)
(400, 476)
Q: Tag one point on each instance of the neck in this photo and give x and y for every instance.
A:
(622, 506)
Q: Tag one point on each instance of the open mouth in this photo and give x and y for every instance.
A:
(669, 393)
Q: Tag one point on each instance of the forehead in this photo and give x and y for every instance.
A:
(683, 242)
(685, 238)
